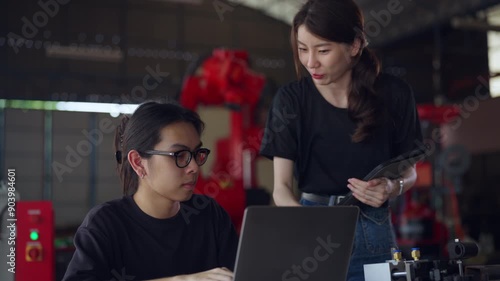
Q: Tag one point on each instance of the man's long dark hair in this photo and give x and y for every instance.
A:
(341, 21)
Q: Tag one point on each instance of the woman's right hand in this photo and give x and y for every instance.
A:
(283, 180)
(215, 274)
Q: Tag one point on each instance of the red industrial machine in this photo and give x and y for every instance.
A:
(35, 241)
(419, 222)
(225, 79)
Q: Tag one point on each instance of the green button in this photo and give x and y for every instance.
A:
(34, 235)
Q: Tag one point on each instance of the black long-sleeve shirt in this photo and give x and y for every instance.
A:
(118, 241)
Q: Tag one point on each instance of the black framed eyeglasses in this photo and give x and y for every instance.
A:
(183, 157)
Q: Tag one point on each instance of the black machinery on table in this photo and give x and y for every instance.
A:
(399, 269)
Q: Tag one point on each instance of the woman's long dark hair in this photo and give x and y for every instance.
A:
(341, 21)
(141, 132)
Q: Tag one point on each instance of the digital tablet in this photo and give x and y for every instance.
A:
(391, 169)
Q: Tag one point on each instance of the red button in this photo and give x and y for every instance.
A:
(34, 253)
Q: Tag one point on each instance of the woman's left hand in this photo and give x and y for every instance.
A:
(373, 192)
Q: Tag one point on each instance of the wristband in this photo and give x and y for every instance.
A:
(401, 186)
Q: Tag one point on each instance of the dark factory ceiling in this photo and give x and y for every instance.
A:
(78, 50)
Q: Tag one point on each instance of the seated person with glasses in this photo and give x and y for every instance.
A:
(159, 229)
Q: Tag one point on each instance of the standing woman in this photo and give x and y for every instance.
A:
(159, 229)
(330, 128)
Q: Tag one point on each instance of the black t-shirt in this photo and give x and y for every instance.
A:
(302, 126)
(118, 239)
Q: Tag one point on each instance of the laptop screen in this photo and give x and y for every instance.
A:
(296, 243)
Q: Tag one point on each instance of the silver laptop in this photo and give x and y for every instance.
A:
(296, 243)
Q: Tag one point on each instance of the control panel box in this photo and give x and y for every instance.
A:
(35, 241)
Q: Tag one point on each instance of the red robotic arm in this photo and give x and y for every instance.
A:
(224, 79)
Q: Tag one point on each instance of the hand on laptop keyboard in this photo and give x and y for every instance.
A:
(215, 274)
